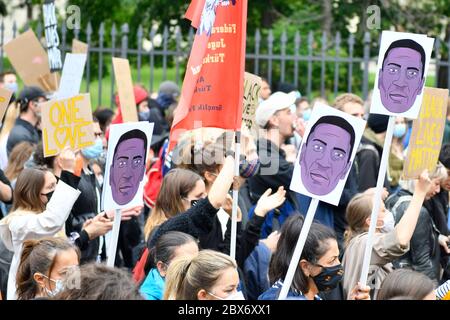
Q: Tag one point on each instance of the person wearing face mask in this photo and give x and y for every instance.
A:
(169, 247)
(40, 208)
(8, 81)
(25, 128)
(42, 267)
(390, 241)
(397, 155)
(425, 248)
(210, 275)
(319, 271)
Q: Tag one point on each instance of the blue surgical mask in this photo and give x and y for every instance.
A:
(399, 130)
(12, 86)
(307, 114)
(94, 151)
(59, 287)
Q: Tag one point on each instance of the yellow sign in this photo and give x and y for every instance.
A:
(427, 132)
(67, 122)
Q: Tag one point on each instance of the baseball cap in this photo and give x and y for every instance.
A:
(277, 101)
(169, 88)
(30, 93)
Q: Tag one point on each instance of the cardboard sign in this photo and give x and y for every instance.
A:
(427, 132)
(71, 76)
(402, 70)
(51, 35)
(125, 177)
(326, 154)
(79, 47)
(125, 87)
(30, 61)
(5, 97)
(67, 122)
(252, 86)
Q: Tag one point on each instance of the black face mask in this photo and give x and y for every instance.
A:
(48, 195)
(329, 278)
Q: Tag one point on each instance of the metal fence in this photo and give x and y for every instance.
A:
(300, 60)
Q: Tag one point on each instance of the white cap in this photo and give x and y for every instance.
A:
(277, 101)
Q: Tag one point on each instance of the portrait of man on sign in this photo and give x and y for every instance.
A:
(325, 157)
(128, 166)
(128, 146)
(326, 154)
(401, 78)
(403, 62)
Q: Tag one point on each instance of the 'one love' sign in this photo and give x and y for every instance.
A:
(67, 122)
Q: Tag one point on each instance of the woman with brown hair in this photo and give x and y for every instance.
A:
(407, 283)
(43, 264)
(179, 189)
(19, 155)
(390, 241)
(40, 208)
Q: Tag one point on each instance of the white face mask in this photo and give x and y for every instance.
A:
(238, 295)
(388, 223)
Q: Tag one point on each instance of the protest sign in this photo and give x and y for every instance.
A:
(72, 75)
(124, 82)
(79, 47)
(403, 62)
(125, 164)
(252, 85)
(30, 61)
(326, 154)
(67, 122)
(213, 85)
(427, 131)
(51, 35)
(5, 97)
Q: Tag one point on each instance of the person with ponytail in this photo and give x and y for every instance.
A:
(42, 267)
(390, 241)
(210, 275)
(40, 208)
(170, 246)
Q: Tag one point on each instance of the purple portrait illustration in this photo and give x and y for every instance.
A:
(128, 166)
(401, 77)
(325, 157)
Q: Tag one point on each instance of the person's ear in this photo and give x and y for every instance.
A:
(209, 177)
(346, 169)
(161, 268)
(39, 279)
(304, 265)
(368, 221)
(273, 121)
(202, 295)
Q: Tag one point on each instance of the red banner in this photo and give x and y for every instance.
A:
(213, 85)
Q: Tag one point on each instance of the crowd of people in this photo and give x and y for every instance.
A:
(54, 236)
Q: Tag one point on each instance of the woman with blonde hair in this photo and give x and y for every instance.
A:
(390, 241)
(19, 155)
(210, 275)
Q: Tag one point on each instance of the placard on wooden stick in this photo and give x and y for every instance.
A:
(67, 122)
(427, 132)
(30, 61)
(125, 87)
